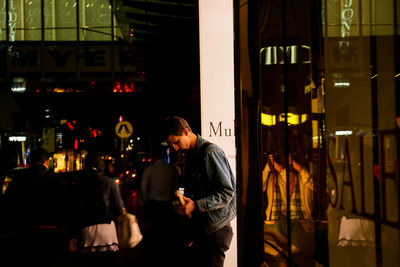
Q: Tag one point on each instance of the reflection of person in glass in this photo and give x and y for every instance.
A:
(275, 215)
(274, 187)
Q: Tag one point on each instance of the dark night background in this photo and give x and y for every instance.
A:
(166, 53)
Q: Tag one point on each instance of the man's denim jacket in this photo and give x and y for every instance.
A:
(212, 186)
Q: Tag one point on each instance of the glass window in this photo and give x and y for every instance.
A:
(289, 157)
(3, 20)
(362, 135)
(96, 20)
(64, 20)
(49, 20)
(326, 84)
(60, 20)
(15, 24)
(32, 22)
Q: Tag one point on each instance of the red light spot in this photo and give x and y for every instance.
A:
(76, 144)
(117, 87)
(376, 171)
(70, 126)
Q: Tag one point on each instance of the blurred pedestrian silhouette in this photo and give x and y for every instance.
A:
(159, 182)
(36, 206)
(96, 205)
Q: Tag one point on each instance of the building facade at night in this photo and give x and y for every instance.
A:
(315, 108)
(73, 69)
(54, 53)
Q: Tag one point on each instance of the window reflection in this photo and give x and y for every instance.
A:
(275, 192)
(355, 242)
(14, 20)
(274, 186)
(60, 18)
(32, 25)
(3, 20)
(95, 20)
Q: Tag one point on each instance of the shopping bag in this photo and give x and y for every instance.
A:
(129, 234)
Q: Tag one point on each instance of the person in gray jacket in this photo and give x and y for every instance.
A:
(210, 193)
(158, 185)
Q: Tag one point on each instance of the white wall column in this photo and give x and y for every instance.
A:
(217, 85)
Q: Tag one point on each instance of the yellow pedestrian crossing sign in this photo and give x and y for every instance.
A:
(124, 129)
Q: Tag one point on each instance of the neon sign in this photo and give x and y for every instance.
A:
(17, 138)
(347, 18)
(12, 19)
(272, 55)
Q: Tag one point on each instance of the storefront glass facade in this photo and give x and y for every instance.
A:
(58, 52)
(361, 67)
(319, 92)
(60, 21)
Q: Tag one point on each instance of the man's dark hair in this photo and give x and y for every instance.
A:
(159, 151)
(38, 155)
(174, 125)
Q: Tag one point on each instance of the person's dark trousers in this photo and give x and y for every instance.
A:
(98, 259)
(209, 250)
(40, 245)
(160, 239)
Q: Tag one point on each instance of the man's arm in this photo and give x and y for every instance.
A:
(221, 178)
